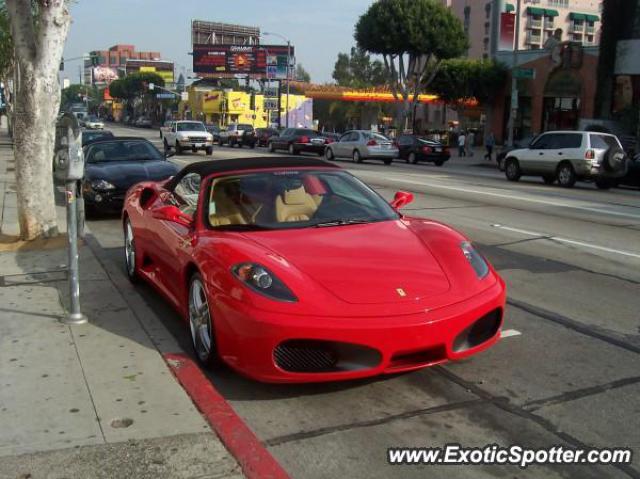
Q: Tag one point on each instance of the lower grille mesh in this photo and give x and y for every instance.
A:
(299, 357)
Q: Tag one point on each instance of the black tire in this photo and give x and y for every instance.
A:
(356, 157)
(209, 150)
(438, 162)
(548, 179)
(603, 183)
(166, 145)
(271, 147)
(566, 175)
(412, 158)
(387, 162)
(178, 148)
(196, 317)
(292, 150)
(614, 160)
(500, 162)
(512, 169)
(328, 154)
(130, 261)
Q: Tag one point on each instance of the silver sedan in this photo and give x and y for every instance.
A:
(360, 145)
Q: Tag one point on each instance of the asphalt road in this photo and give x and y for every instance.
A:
(567, 374)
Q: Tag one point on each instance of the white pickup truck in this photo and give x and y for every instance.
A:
(188, 135)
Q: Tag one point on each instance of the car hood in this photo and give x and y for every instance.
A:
(123, 174)
(374, 263)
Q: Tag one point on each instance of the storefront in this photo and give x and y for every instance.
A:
(556, 90)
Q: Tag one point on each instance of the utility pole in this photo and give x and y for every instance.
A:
(288, 77)
(514, 81)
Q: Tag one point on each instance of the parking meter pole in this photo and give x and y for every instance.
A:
(75, 315)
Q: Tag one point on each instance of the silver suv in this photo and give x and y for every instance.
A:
(567, 156)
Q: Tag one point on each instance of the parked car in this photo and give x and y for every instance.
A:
(89, 136)
(238, 134)
(415, 148)
(256, 253)
(263, 135)
(631, 178)
(92, 122)
(215, 132)
(165, 127)
(143, 122)
(360, 145)
(113, 165)
(567, 156)
(188, 135)
(299, 140)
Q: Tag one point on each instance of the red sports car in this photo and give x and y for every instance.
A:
(293, 270)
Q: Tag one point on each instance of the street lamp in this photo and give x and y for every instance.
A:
(288, 66)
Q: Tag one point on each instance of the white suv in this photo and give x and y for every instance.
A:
(567, 156)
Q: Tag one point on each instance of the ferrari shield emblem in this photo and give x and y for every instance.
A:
(401, 292)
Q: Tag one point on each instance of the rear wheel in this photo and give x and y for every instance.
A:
(356, 157)
(438, 162)
(548, 179)
(130, 252)
(201, 323)
(566, 175)
(271, 147)
(412, 158)
(512, 169)
(387, 162)
(603, 184)
(178, 148)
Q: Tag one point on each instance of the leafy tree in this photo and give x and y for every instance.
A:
(76, 92)
(301, 74)
(6, 43)
(39, 30)
(356, 70)
(413, 37)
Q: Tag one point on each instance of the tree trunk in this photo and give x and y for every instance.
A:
(36, 109)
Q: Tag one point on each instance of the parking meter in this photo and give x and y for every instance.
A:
(69, 159)
(69, 167)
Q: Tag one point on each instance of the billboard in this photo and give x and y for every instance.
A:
(507, 31)
(104, 74)
(161, 68)
(258, 61)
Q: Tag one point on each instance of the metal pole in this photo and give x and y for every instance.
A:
(288, 73)
(514, 81)
(75, 316)
(279, 104)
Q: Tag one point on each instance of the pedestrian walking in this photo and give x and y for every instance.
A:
(489, 143)
(471, 141)
(461, 144)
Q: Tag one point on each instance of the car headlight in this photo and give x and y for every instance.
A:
(263, 281)
(102, 185)
(476, 260)
(183, 137)
(209, 137)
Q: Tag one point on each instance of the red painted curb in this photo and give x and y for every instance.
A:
(254, 459)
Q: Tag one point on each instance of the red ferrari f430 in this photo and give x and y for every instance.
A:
(293, 270)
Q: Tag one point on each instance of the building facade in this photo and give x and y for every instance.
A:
(580, 21)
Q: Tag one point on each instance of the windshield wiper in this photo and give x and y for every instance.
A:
(341, 222)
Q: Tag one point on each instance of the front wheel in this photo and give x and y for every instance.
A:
(438, 162)
(566, 175)
(130, 253)
(178, 148)
(603, 184)
(387, 162)
(512, 169)
(201, 323)
(271, 147)
(328, 154)
(209, 150)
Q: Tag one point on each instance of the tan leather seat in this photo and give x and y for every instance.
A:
(226, 211)
(295, 205)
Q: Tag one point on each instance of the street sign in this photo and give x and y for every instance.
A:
(151, 86)
(165, 96)
(184, 96)
(525, 73)
(270, 104)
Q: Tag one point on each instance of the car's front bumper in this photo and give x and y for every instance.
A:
(268, 346)
(109, 201)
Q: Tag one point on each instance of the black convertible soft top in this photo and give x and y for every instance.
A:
(206, 168)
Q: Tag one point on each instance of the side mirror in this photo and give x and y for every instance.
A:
(173, 215)
(401, 199)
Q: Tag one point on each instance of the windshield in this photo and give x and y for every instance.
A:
(245, 127)
(294, 199)
(92, 118)
(123, 151)
(191, 126)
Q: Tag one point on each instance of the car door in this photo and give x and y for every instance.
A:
(567, 146)
(405, 144)
(347, 143)
(174, 241)
(533, 157)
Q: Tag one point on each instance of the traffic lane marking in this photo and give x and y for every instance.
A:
(517, 198)
(567, 241)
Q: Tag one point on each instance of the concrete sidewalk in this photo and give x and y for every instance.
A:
(93, 400)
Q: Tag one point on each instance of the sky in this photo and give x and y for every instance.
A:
(319, 30)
